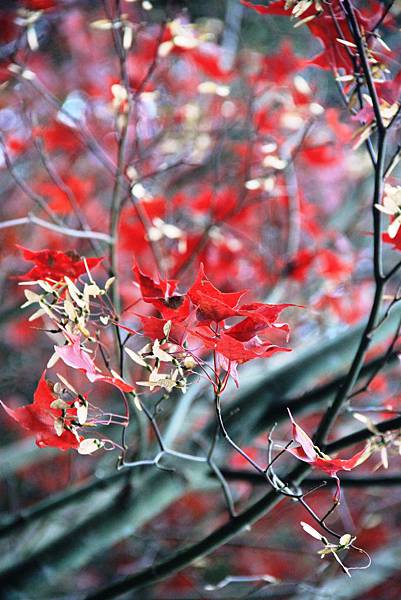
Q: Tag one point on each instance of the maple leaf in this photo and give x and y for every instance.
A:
(54, 265)
(211, 304)
(236, 350)
(300, 266)
(74, 356)
(154, 290)
(209, 63)
(241, 342)
(259, 319)
(233, 345)
(161, 294)
(153, 328)
(308, 452)
(45, 421)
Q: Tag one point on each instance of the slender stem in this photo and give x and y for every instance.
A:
(364, 344)
(36, 198)
(357, 363)
(393, 271)
(364, 434)
(63, 230)
(346, 481)
(360, 44)
(383, 16)
(228, 438)
(122, 121)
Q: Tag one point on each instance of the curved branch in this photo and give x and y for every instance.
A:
(63, 230)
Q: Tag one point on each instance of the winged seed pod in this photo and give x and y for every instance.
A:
(90, 445)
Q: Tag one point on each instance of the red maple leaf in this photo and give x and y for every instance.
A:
(281, 66)
(236, 350)
(211, 304)
(153, 329)
(40, 418)
(308, 452)
(208, 62)
(255, 336)
(74, 356)
(54, 265)
(161, 294)
(259, 318)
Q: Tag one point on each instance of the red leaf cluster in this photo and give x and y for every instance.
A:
(39, 418)
(54, 265)
(202, 313)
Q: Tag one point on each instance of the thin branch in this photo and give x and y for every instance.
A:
(36, 198)
(364, 434)
(63, 230)
(360, 44)
(346, 481)
(356, 366)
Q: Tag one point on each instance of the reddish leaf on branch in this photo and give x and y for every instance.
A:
(281, 66)
(54, 265)
(212, 304)
(208, 62)
(308, 452)
(48, 423)
(153, 328)
(259, 318)
(74, 356)
(161, 294)
(257, 335)
(239, 351)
